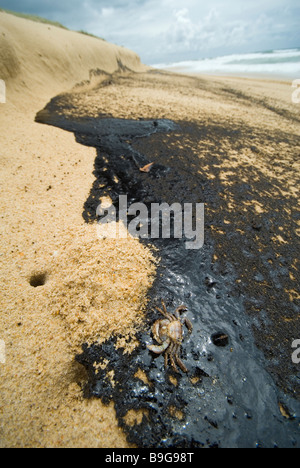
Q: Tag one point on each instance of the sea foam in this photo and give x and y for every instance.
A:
(283, 63)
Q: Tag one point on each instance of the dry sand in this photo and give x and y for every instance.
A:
(91, 288)
(45, 178)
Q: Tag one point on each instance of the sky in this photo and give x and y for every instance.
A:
(164, 31)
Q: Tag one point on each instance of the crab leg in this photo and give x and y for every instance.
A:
(170, 316)
(165, 314)
(170, 355)
(179, 361)
(188, 324)
(166, 359)
(173, 364)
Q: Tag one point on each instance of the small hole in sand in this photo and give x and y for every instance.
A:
(220, 339)
(38, 279)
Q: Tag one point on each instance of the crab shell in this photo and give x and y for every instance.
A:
(166, 332)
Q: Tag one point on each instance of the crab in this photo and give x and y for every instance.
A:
(168, 332)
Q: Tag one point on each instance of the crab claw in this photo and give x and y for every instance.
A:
(160, 348)
(180, 310)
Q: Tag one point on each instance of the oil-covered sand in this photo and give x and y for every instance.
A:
(233, 145)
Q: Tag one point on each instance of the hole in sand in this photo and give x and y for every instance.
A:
(220, 339)
(38, 279)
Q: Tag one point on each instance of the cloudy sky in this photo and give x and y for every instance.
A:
(174, 30)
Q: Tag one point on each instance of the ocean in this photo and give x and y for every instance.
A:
(282, 63)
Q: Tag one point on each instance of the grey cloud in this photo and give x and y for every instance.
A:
(167, 30)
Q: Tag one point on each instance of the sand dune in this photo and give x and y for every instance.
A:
(42, 60)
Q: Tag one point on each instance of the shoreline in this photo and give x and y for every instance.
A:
(279, 64)
(272, 78)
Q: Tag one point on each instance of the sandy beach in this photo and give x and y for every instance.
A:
(62, 287)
